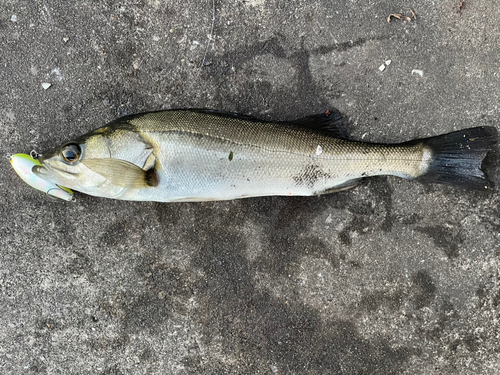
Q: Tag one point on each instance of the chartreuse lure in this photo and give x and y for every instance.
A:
(23, 165)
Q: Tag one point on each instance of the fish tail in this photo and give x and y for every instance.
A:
(455, 158)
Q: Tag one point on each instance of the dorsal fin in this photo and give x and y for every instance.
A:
(330, 122)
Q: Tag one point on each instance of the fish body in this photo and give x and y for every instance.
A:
(201, 155)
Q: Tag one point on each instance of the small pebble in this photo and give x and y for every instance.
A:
(417, 71)
(13, 18)
(388, 62)
(46, 85)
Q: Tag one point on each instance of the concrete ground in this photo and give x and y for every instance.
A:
(393, 277)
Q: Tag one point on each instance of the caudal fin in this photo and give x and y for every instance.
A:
(457, 157)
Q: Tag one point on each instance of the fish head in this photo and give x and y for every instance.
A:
(103, 163)
(68, 165)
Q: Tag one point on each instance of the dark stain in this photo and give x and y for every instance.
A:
(471, 343)
(81, 264)
(115, 234)
(446, 315)
(423, 289)
(262, 94)
(167, 292)
(251, 323)
(355, 264)
(383, 193)
(166, 282)
(134, 313)
(370, 213)
(344, 46)
(496, 299)
(113, 370)
(47, 324)
(411, 219)
(371, 302)
(445, 238)
(481, 296)
(358, 224)
(37, 367)
(310, 175)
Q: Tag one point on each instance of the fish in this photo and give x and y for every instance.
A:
(190, 155)
(23, 165)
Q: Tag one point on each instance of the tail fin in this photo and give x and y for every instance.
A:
(457, 157)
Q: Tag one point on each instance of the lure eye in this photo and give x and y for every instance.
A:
(71, 153)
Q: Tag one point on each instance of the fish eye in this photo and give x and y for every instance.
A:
(71, 153)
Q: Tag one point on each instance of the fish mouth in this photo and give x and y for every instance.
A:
(42, 172)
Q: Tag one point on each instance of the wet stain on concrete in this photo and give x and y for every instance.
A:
(444, 238)
(371, 302)
(423, 289)
(371, 213)
(254, 324)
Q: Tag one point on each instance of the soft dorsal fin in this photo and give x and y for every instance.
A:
(330, 122)
(123, 173)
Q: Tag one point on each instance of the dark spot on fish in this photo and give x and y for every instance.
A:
(310, 175)
(151, 177)
(230, 156)
(445, 238)
(423, 288)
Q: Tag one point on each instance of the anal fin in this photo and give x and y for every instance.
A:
(351, 184)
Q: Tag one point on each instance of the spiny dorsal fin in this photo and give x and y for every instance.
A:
(123, 173)
(330, 122)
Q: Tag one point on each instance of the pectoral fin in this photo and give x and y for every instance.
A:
(123, 173)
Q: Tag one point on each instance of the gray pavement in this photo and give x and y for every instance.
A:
(393, 277)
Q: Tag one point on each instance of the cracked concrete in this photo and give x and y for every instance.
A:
(392, 277)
